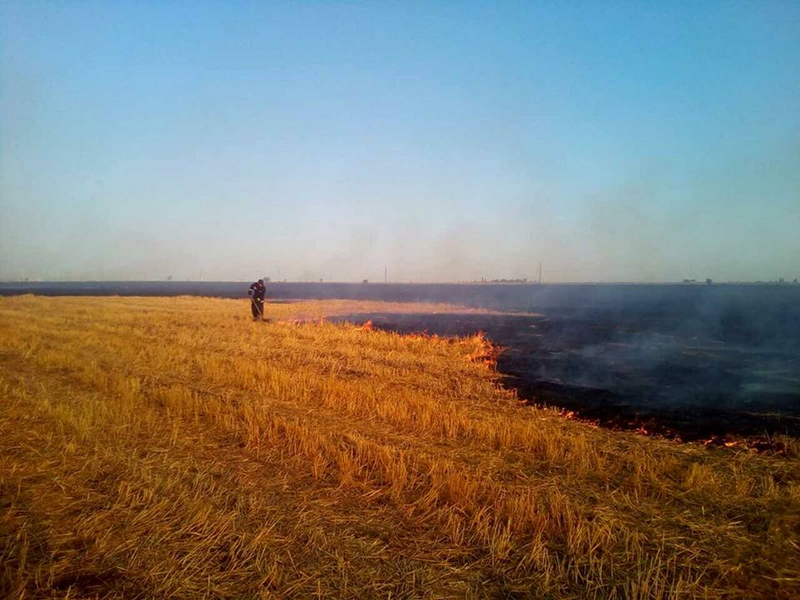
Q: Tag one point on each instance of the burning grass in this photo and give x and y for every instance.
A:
(171, 447)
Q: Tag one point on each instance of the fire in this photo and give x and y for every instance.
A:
(753, 444)
(656, 428)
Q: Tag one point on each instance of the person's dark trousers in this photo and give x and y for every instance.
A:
(257, 306)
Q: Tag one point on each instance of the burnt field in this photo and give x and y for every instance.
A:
(624, 371)
(686, 361)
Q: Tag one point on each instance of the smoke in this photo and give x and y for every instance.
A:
(649, 347)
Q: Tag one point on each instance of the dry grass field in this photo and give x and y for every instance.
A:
(173, 448)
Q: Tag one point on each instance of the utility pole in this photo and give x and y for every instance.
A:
(385, 274)
(540, 273)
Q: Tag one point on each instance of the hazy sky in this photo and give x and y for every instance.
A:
(630, 141)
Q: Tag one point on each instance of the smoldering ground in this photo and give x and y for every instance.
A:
(696, 361)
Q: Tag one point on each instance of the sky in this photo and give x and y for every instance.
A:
(430, 141)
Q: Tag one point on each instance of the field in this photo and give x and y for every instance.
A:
(174, 448)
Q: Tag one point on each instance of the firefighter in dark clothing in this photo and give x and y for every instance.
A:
(256, 293)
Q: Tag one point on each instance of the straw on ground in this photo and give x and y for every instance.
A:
(173, 448)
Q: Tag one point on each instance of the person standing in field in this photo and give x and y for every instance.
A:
(256, 293)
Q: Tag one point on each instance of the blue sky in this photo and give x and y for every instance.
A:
(630, 141)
